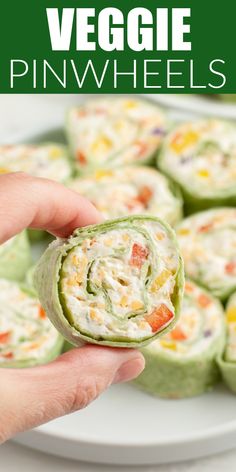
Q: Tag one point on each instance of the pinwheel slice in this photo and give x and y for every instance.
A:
(227, 362)
(15, 257)
(27, 337)
(49, 160)
(131, 190)
(114, 131)
(201, 158)
(208, 245)
(119, 283)
(183, 362)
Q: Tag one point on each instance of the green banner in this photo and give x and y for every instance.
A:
(118, 46)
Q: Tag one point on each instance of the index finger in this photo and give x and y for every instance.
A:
(28, 202)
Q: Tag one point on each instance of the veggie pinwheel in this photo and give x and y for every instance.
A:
(27, 337)
(119, 283)
(201, 158)
(15, 257)
(131, 190)
(208, 245)
(227, 362)
(113, 131)
(47, 160)
(183, 362)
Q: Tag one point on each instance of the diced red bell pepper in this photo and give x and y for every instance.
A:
(204, 301)
(80, 157)
(142, 148)
(138, 256)
(145, 195)
(8, 355)
(5, 337)
(189, 288)
(159, 317)
(42, 313)
(230, 268)
(177, 334)
(205, 228)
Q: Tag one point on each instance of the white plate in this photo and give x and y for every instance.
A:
(126, 426)
(197, 104)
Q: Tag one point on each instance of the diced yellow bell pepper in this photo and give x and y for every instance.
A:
(4, 170)
(203, 173)
(183, 141)
(168, 345)
(102, 144)
(124, 301)
(231, 315)
(136, 305)
(183, 231)
(130, 104)
(160, 280)
(103, 173)
(55, 153)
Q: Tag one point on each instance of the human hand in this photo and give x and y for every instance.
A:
(30, 397)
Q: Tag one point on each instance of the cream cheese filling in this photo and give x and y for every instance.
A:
(132, 190)
(121, 129)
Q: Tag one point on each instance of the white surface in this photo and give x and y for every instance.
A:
(127, 426)
(20, 115)
(15, 458)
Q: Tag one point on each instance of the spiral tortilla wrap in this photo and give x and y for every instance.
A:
(208, 245)
(131, 190)
(183, 362)
(119, 283)
(200, 157)
(114, 131)
(27, 337)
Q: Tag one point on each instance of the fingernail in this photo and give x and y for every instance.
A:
(129, 370)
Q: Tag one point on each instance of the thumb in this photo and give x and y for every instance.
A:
(30, 397)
